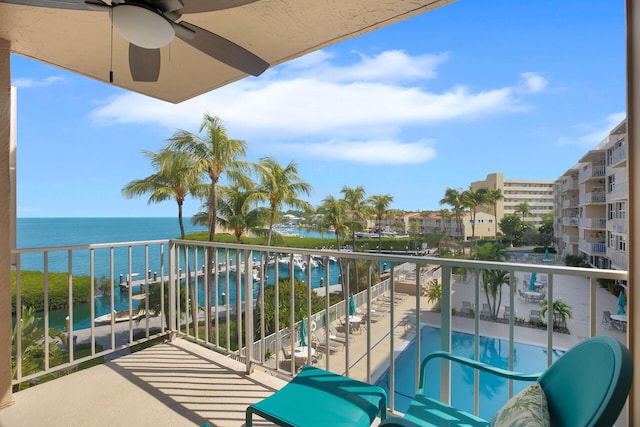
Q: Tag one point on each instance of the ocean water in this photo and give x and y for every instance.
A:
(44, 232)
(55, 232)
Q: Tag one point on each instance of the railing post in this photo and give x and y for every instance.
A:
(172, 291)
(248, 310)
(445, 334)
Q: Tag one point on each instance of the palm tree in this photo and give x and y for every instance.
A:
(473, 199)
(173, 180)
(561, 311)
(524, 209)
(215, 155)
(237, 213)
(492, 280)
(380, 206)
(453, 198)
(335, 214)
(280, 186)
(356, 201)
(493, 195)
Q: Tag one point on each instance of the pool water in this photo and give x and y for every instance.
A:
(493, 390)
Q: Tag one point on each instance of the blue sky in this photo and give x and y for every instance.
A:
(437, 101)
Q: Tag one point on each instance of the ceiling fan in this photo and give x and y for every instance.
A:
(149, 25)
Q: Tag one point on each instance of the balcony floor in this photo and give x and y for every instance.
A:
(174, 384)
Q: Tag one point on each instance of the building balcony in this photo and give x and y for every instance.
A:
(591, 171)
(570, 221)
(617, 156)
(619, 191)
(593, 223)
(570, 203)
(619, 260)
(207, 364)
(569, 184)
(570, 239)
(592, 248)
(593, 198)
(618, 225)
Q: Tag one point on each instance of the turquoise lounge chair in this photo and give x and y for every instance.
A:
(316, 397)
(587, 386)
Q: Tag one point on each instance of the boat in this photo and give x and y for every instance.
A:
(120, 316)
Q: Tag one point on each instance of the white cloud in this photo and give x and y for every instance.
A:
(314, 100)
(388, 152)
(592, 134)
(533, 82)
(24, 83)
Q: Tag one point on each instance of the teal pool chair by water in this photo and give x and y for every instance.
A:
(316, 397)
(587, 386)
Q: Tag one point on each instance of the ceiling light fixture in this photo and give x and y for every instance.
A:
(142, 26)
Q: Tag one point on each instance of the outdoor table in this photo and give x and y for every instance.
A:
(355, 319)
(302, 352)
(620, 321)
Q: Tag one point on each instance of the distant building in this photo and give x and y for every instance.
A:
(537, 193)
(591, 204)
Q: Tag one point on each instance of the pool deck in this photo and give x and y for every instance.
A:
(179, 383)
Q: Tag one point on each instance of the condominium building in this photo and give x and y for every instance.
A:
(591, 204)
(436, 223)
(537, 193)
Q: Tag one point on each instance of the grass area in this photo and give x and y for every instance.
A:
(363, 245)
(32, 290)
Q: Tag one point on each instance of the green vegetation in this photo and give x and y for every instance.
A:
(32, 290)
(561, 312)
(33, 349)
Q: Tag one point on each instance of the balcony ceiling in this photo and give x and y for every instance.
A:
(275, 30)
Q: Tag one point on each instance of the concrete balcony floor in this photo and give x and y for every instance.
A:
(174, 384)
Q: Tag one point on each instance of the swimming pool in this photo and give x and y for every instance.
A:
(493, 390)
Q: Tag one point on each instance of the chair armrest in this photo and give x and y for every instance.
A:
(512, 375)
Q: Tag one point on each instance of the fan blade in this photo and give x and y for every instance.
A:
(144, 63)
(199, 6)
(54, 4)
(224, 50)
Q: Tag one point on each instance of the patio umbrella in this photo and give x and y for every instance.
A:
(532, 281)
(621, 303)
(546, 254)
(303, 333)
(352, 305)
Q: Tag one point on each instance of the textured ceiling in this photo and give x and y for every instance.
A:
(275, 30)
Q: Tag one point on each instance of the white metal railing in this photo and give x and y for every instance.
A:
(570, 220)
(206, 307)
(592, 248)
(618, 225)
(570, 184)
(591, 171)
(594, 197)
(595, 223)
(618, 190)
(569, 203)
(617, 155)
(619, 260)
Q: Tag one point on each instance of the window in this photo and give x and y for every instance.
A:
(622, 244)
(611, 211)
(611, 182)
(612, 240)
(621, 208)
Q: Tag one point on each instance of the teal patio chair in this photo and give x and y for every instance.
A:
(587, 386)
(316, 397)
